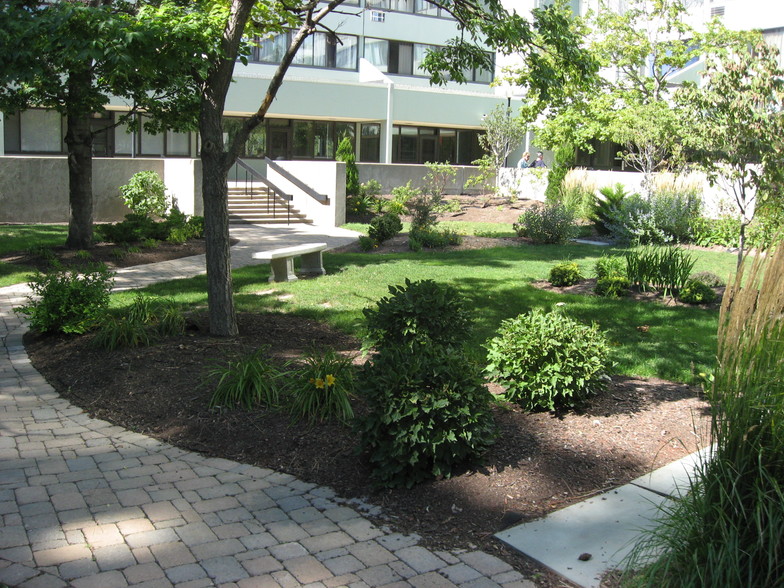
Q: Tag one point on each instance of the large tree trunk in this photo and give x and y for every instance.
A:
(80, 182)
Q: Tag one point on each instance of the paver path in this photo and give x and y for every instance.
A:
(87, 504)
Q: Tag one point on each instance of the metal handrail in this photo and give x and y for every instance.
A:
(252, 175)
(323, 198)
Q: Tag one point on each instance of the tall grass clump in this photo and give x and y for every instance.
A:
(727, 530)
(663, 268)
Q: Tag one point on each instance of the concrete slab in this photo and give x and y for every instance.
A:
(590, 242)
(673, 479)
(605, 527)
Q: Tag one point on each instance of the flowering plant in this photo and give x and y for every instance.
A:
(323, 387)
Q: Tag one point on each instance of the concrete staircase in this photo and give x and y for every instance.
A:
(256, 205)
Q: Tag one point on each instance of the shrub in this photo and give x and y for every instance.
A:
(546, 360)
(563, 160)
(432, 239)
(345, 153)
(674, 214)
(385, 227)
(610, 265)
(633, 221)
(428, 414)
(603, 207)
(707, 278)
(370, 188)
(422, 208)
(366, 243)
(361, 204)
(134, 228)
(613, 285)
(566, 273)
(400, 197)
(323, 387)
(250, 380)
(145, 194)
(723, 231)
(147, 320)
(418, 314)
(551, 223)
(663, 268)
(694, 292)
(66, 301)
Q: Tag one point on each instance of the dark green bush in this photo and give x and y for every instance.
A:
(432, 239)
(551, 223)
(345, 153)
(613, 286)
(366, 243)
(604, 207)
(247, 381)
(694, 292)
(610, 265)
(135, 228)
(66, 301)
(708, 278)
(566, 273)
(546, 360)
(418, 314)
(429, 413)
(385, 227)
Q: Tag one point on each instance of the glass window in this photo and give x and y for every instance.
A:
(424, 7)
(178, 143)
(408, 145)
(343, 129)
(447, 144)
(402, 5)
(41, 131)
(323, 142)
(401, 58)
(123, 140)
(377, 53)
(11, 133)
(271, 50)
(345, 52)
(420, 51)
(150, 144)
(370, 142)
(303, 131)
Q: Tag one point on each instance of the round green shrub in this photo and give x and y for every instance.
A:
(551, 223)
(616, 286)
(429, 413)
(145, 194)
(385, 227)
(547, 360)
(610, 265)
(566, 273)
(422, 313)
(708, 278)
(694, 292)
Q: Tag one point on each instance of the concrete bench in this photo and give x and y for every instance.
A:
(282, 261)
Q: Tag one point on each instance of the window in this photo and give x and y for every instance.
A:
(398, 57)
(377, 53)
(424, 144)
(411, 6)
(41, 131)
(318, 50)
(178, 144)
(370, 142)
(12, 133)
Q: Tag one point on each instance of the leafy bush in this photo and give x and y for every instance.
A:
(563, 160)
(370, 188)
(723, 231)
(610, 265)
(323, 387)
(345, 153)
(145, 194)
(400, 197)
(361, 204)
(662, 268)
(546, 360)
(418, 314)
(613, 286)
(633, 221)
(566, 273)
(366, 243)
(428, 414)
(707, 278)
(604, 207)
(694, 292)
(135, 228)
(551, 223)
(674, 214)
(384, 227)
(66, 301)
(432, 239)
(250, 380)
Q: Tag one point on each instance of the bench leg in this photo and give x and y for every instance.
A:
(312, 264)
(282, 270)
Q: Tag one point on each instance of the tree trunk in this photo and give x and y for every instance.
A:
(80, 182)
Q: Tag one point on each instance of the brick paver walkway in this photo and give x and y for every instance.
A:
(87, 504)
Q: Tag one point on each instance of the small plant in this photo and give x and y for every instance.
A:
(432, 239)
(145, 194)
(418, 314)
(117, 332)
(400, 197)
(566, 273)
(429, 412)
(345, 153)
(84, 255)
(147, 320)
(662, 268)
(323, 388)
(708, 278)
(551, 223)
(612, 286)
(366, 243)
(610, 265)
(149, 243)
(604, 207)
(438, 177)
(44, 253)
(448, 206)
(547, 360)
(119, 254)
(370, 188)
(248, 381)
(694, 292)
(384, 227)
(133, 249)
(66, 301)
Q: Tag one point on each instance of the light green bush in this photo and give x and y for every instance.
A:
(145, 194)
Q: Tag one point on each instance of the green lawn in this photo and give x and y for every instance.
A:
(496, 282)
(23, 238)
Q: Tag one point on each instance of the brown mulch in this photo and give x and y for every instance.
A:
(541, 462)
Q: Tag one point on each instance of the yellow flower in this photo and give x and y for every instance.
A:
(319, 383)
(312, 381)
(330, 379)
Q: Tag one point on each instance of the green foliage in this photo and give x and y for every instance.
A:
(610, 265)
(323, 387)
(504, 132)
(146, 321)
(370, 188)
(345, 153)
(551, 223)
(604, 207)
(663, 268)
(614, 286)
(429, 413)
(176, 227)
(438, 176)
(145, 194)
(250, 380)
(361, 205)
(707, 278)
(366, 243)
(566, 273)
(562, 163)
(432, 239)
(663, 218)
(547, 360)
(384, 227)
(400, 197)
(694, 292)
(418, 314)
(66, 301)
(576, 196)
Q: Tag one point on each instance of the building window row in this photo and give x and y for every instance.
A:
(411, 6)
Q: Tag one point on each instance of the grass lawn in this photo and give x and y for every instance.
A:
(496, 282)
(23, 238)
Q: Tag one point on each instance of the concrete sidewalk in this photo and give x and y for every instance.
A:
(87, 504)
